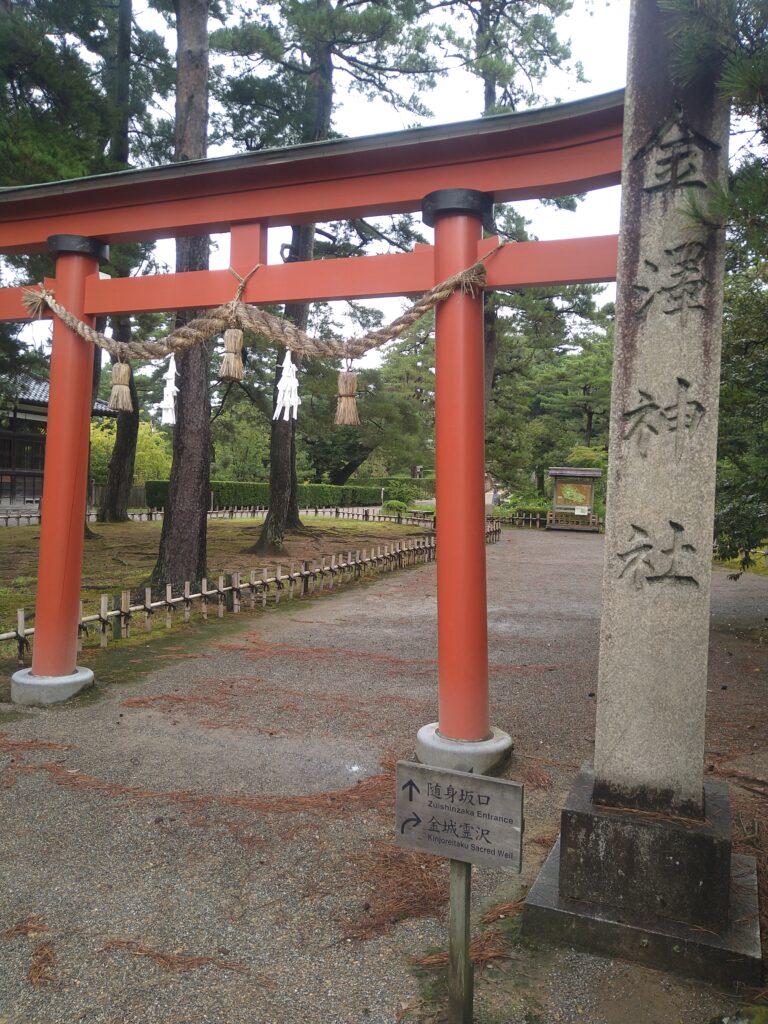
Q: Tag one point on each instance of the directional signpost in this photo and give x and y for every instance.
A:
(472, 819)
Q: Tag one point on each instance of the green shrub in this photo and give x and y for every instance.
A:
(500, 512)
(393, 508)
(401, 490)
(239, 492)
(581, 457)
(423, 487)
(522, 504)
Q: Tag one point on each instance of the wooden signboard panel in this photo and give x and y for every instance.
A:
(466, 817)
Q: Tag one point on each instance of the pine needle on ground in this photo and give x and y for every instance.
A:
(403, 884)
(172, 961)
(502, 911)
(40, 969)
(483, 949)
(31, 925)
(533, 776)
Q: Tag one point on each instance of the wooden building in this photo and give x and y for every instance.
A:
(23, 425)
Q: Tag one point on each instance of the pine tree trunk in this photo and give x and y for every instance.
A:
(588, 426)
(490, 345)
(293, 521)
(114, 504)
(183, 541)
(491, 334)
(283, 512)
(119, 148)
(281, 464)
(341, 474)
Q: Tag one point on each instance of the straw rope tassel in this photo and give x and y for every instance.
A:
(346, 403)
(120, 397)
(232, 363)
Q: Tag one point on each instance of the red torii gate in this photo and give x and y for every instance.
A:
(461, 169)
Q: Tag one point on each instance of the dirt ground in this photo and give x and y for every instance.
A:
(207, 838)
(123, 555)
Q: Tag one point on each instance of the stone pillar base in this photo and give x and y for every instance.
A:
(665, 891)
(732, 958)
(648, 864)
(483, 757)
(29, 689)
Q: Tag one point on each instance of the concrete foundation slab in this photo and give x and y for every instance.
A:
(731, 958)
(35, 690)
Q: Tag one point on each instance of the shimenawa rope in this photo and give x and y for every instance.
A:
(236, 316)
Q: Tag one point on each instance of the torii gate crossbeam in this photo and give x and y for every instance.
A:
(551, 152)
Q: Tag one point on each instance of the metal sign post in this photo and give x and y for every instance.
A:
(472, 819)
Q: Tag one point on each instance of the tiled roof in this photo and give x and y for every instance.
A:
(575, 471)
(34, 391)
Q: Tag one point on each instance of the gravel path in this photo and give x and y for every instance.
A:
(231, 806)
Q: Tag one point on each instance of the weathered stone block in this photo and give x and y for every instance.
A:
(648, 865)
(731, 958)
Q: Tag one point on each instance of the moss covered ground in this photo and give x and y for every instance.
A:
(121, 555)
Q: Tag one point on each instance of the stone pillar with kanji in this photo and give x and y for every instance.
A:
(645, 846)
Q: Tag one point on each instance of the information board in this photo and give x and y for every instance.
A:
(460, 815)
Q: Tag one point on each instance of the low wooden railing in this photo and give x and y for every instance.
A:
(529, 520)
(22, 517)
(570, 521)
(551, 520)
(31, 517)
(233, 590)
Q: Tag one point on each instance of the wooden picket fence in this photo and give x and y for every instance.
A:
(551, 520)
(529, 520)
(233, 591)
(31, 517)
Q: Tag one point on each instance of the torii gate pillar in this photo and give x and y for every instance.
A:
(54, 676)
(463, 738)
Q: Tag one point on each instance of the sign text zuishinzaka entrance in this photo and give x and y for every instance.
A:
(459, 815)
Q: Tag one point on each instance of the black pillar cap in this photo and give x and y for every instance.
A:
(458, 200)
(58, 244)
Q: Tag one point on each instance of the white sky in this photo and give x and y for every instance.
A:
(598, 32)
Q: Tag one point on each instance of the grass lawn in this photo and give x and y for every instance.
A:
(760, 565)
(123, 554)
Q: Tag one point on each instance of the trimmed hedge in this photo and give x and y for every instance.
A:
(423, 487)
(499, 512)
(228, 493)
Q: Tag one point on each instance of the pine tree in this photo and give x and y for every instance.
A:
(731, 38)
(183, 541)
(306, 45)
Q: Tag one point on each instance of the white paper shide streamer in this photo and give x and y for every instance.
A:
(288, 400)
(168, 404)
